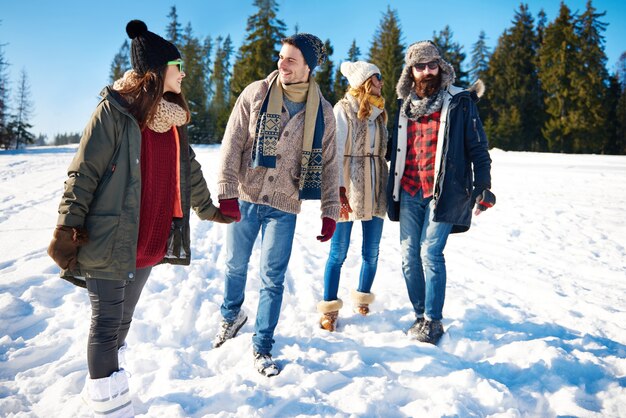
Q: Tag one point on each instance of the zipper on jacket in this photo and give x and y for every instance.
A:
(444, 154)
(476, 129)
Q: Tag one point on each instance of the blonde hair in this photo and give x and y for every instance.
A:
(363, 95)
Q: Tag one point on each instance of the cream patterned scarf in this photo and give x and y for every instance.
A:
(268, 133)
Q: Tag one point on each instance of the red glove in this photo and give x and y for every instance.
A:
(345, 204)
(230, 208)
(328, 229)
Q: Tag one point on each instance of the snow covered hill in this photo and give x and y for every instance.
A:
(535, 311)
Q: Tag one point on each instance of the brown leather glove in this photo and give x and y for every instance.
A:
(63, 248)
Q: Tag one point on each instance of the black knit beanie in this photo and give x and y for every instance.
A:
(311, 46)
(148, 51)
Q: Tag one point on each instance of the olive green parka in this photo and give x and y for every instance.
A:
(103, 195)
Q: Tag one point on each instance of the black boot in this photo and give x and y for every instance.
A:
(430, 332)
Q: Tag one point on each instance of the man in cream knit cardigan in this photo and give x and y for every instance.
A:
(278, 149)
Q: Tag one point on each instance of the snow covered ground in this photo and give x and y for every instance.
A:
(535, 311)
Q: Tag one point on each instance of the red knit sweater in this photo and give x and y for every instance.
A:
(158, 189)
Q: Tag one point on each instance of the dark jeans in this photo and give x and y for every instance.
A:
(112, 306)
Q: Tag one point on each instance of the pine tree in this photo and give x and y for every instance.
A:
(121, 62)
(612, 143)
(173, 31)
(66, 138)
(219, 109)
(354, 53)
(452, 52)
(340, 83)
(479, 67)
(194, 85)
(591, 83)
(258, 54)
(514, 111)
(4, 101)
(324, 75)
(480, 57)
(558, 60)
(19, 127)
(617, 144)
(387, 52)
(620, 70)
(541, 25)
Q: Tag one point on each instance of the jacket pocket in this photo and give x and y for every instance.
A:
(97, 254)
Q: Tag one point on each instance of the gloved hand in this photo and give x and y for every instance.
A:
(484, 201)
(230, 208)
(345, 204)
(63, 248)
(219, 217)
(328, 229)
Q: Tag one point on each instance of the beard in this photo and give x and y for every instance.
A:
(428, 86)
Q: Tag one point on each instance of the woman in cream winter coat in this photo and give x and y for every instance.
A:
(362, 140)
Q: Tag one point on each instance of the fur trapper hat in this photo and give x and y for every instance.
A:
(422, 52)
(358, 72)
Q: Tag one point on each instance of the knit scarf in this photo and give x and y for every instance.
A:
(296, 93)
(168, 114)
(414, 107)
(376, 101)
(267, 134)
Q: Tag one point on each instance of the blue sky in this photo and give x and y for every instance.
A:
(66, 47)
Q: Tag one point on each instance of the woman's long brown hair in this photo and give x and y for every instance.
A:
(143, 93)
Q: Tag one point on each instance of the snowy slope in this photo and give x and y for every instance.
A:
(535, 311)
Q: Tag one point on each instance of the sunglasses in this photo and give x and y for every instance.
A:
(178, 62)
(378, 77)
(431, 65)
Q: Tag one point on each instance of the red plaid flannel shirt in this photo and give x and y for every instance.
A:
(419, 170)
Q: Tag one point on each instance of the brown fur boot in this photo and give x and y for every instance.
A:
(330, 311)
(362, 301)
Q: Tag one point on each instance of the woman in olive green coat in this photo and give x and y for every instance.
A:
(126, 205)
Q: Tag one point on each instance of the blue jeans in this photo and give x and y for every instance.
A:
(277, 231)
(422, 241)
(372, 231)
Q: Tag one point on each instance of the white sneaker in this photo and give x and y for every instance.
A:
(265, 365)
(229, 330)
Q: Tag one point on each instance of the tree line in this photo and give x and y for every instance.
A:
(548, 88)
(14, 120)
